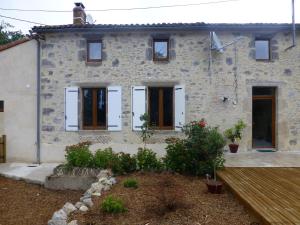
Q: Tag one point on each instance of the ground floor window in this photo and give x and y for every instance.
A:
(94, 108)
(161, 107)
(1, 106)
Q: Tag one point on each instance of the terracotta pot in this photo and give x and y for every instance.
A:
(214, 187)
(233, 148)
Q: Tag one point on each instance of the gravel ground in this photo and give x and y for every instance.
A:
(168, 199)
(28, 204)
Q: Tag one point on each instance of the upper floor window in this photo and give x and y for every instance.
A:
(94, 51)
(160, 49)
(1, 106)
(262, 48)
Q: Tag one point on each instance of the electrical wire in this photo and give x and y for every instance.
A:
(121, 9)
(27, 21)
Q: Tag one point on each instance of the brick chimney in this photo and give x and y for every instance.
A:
(79, 16)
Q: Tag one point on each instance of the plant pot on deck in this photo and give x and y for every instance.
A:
(233, 148)
(214, 186)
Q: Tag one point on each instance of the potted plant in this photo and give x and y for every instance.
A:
(234, 134)
(213, 185)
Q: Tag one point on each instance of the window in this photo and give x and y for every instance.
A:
(94, 108)
(262, 48)
(1, 106)
(164, 105)
(160, 49)
(101, 108)
(160, 107)
(94, 51)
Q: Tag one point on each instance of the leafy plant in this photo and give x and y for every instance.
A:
(130, 183)
(196, 154)
(127, 162)
(235, 133)
(79, 155)
(113, 205)
(107, 159)
(146, 131)
(147, 160)
(177, 158)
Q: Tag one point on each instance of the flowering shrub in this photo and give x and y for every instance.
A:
(198, 152)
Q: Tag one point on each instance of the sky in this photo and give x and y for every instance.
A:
(236, 11)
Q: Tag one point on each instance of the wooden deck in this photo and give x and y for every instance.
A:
(273, 194)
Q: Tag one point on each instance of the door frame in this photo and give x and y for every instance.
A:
(273, 99)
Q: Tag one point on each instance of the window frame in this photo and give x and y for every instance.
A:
(168, 49)
(1, 105)
(269, 48)
(88, 42)
(94, 110)
(160, 108)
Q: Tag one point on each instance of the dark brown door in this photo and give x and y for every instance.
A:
(263, 120)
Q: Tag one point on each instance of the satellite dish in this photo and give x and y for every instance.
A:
(89, 19)
(216, 43)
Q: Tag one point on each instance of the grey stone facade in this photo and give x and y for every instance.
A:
(127, 61)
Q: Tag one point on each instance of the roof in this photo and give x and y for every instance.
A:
(163, 27)
(14, 43)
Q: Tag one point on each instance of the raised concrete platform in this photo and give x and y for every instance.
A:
(262, 159)
(32, 173)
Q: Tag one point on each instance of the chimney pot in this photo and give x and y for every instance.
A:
(79, 16)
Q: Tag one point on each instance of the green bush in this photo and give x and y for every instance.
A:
(147, 160)
(130, 183)
(113, 205)
(177, 158)
(127, 162)
(107, 159)
(79, 155)
(199, 152)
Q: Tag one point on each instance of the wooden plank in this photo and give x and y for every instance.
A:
(272, 193)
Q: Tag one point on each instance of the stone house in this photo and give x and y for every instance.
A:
(96, 81)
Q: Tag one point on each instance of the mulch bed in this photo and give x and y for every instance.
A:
(22, 203)
(167, 199)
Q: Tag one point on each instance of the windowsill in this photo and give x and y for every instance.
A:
(93, 63)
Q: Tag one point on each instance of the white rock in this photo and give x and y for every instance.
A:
(113, 180)
(83, 208)
(73, 222)
(57, 222)
(106, 188)
(60, 215)
(96, 187)
(104, 173)
(78, 204)
(96, 194)
(88, 202)
(102, 180)
(85, 197)
(69, 208)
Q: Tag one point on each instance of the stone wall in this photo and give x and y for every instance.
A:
(127, 61)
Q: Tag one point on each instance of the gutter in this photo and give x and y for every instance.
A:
(38, 103)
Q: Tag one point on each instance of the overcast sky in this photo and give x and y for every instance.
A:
(239, 11)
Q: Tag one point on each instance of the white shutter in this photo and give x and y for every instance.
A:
(179, 107)
(71, 108)
(114, 108)
(138, 106)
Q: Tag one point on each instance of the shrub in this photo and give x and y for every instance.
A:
(113, 205)
(147, 160)
(199, 152)
(130, 183)
(79, 155)
(106, 158)
(127, 162)
(177, 157)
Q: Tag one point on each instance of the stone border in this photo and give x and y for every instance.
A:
(104, 183)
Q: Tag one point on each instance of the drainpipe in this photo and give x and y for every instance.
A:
(293, 22)
(38, 103)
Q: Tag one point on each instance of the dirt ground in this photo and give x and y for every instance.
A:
(168, 199)
(28, 204)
